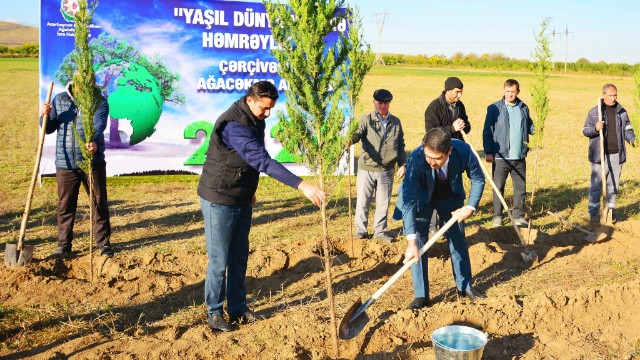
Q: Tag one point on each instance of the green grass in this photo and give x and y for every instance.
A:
(563, 171)
(161, 214)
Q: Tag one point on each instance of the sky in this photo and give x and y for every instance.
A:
(598, 30)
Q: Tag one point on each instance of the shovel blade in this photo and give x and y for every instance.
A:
(14, 259)
(590, 238)
(606, 217)
(25, 255)
(603, 232)
(354, 320)
(10, 255)
(530, 257)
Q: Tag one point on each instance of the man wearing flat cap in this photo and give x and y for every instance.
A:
(382, 141)
(447, 111)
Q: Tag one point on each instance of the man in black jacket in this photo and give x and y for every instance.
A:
(448, 111)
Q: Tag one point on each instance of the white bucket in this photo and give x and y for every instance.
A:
(456, 342)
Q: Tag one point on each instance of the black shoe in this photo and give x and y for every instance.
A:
(361, 235)
(419, 303)
(247, 318)
(106, 251)
(61, 251)
(218, 323)
(472, 294)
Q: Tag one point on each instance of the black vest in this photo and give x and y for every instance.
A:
(226, 178)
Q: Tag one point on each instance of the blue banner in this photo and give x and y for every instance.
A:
(168, 69)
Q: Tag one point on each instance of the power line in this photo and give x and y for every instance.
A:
(380, 18)
(566, 46)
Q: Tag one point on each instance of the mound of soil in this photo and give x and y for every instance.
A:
(579, 301)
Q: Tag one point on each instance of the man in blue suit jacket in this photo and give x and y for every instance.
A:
(434, 182)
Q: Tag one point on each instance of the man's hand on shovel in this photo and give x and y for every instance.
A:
(412, 251)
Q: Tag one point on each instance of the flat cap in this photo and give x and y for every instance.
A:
(382, 95)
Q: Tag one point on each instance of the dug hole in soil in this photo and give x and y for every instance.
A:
(579, 302)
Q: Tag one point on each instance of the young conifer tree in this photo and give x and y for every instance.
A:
(635, 120)
(87, 98)
(540, 93)
(321, 82)
(360, 61)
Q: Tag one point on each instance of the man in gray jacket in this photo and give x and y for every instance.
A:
(382, 148)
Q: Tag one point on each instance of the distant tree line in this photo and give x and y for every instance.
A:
(26, 50)
(502, 62)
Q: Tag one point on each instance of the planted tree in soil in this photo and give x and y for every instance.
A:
(635, 120)
(314, 58)
(87, 98)
(540, 94)
(360, 61)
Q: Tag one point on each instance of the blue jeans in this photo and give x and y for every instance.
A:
(460, 262)
(226, 230)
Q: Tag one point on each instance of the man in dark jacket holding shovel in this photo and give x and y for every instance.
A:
(617, 129)
(227, 187)
(433, 182)
(63, 116)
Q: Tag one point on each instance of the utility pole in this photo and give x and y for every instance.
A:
(566, 46)
(380, 18)
(553, 62)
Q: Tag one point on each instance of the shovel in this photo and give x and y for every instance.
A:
(529, 256)
(16, 256)
(606, 216)
(356, 318)
(589, 236)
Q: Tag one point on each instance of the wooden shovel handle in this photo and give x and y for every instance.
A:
(495, 189)
(423, 249)
(34, 176)
(602, 167)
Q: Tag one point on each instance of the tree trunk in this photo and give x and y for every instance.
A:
(350, 205)
(91, 202)
(533, 188)
(327, 265)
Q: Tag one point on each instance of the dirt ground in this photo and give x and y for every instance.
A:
(579, 302)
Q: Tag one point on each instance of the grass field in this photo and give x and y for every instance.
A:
(160, 215)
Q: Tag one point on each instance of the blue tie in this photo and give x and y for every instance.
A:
(441, 175)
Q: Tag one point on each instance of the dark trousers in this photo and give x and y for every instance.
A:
(68, 189)
(460, 261)
(518, 170)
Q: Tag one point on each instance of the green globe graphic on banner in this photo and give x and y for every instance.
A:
(132, 94)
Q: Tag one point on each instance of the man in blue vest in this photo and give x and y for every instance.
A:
(433, 182)
(64, 115)
(227, 187)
